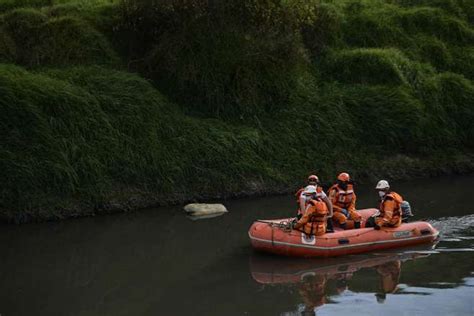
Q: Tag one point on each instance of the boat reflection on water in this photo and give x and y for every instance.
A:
(316, 280)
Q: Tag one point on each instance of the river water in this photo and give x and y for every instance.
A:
(159, 262)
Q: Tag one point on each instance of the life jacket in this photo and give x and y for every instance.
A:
(317, 211)
(313, 222)
(397, 212)
(343, 198)
(317, 215)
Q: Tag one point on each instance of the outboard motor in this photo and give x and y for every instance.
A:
(406, 211)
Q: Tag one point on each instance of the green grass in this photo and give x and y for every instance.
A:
(133, 103)
(33, 39)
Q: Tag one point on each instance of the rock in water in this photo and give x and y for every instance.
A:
(202, 209)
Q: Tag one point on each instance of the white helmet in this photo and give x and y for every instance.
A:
(310, 189)
(382, 184)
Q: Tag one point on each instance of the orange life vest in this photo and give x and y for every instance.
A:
(317, 211)
(343, 197)
(397, 211)
(314, 220)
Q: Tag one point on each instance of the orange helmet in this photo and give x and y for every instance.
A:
(313, 178)
(344, 176)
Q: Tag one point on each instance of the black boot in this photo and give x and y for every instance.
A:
(356, 225)
(370, 222)
(343, 226)
(329, 227)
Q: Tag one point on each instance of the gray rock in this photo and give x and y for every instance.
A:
(203, 209)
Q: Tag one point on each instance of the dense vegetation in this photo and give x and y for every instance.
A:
(114, 105)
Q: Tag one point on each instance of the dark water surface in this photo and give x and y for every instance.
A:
(159, 262)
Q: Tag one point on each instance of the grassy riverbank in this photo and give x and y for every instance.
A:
(116, 105)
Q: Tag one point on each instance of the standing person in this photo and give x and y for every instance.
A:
(343, 200)
(390, 207)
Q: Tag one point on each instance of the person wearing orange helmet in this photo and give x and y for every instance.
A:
(343, 200)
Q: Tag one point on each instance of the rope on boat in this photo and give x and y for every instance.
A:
(284, 225)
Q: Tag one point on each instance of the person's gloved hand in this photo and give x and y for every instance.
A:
(377, 227)
(345, 212)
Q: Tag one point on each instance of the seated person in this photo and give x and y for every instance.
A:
(390, 208)
(301, 197)
(314, 220)
(343, 200)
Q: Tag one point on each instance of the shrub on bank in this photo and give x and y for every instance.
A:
(227, 59)
(368, 66)
(32, 39)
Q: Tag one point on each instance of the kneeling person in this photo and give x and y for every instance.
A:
(343, 200)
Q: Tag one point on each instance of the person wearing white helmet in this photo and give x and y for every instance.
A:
(390, 207)
(315, 218)
(313, 192)
(302, 197)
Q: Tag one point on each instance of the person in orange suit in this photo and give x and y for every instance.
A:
(343, 199)
(390, 207)
(302, 198)
(314, 220)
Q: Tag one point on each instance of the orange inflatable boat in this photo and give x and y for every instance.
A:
(273, 236)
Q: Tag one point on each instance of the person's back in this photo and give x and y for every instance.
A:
(390, 210)
(314, 220)
(309, 193)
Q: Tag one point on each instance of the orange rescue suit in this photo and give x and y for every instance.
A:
(343, 199)
(314, 219)
(390, 210)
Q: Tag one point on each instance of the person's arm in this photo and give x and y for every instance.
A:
(388, 206)
(302, 203)
(303, 220)
(332, 198)
(352, 207)
(329, 205)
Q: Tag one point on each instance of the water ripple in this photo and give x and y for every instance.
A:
(455, 227)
